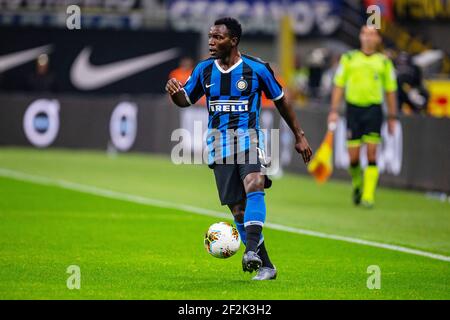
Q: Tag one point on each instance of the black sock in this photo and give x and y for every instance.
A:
(253, 235)
(354, 164)
(262, 253)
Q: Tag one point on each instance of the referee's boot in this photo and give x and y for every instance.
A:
(251, 261)
(266, 273)
(367, 204)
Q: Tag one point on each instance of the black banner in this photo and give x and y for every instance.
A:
(141, 123)
(91, 61)
(222, 309)
(414, 158)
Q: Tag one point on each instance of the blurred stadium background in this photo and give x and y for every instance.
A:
(87, 106)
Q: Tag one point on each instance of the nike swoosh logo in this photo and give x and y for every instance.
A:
(209, 85)
(12, 60)
(86, 76)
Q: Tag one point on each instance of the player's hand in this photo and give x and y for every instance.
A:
(333, 117)
(173, 86)
(302, 147)
(392, 123)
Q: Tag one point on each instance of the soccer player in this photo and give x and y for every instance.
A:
(232, 83)
(365, 76)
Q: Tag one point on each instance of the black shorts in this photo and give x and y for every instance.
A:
(363, 124)
(230, 180)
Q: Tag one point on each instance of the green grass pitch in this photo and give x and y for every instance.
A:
(128, 250)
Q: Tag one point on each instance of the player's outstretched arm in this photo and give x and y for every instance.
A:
(301, 143)
(175, 90)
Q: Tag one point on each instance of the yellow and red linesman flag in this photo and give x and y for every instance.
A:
(439, 104)
(321, 166)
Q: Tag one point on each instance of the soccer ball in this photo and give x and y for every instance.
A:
(222, 240)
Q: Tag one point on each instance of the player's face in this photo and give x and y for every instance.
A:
(220, 43)
(369, 37)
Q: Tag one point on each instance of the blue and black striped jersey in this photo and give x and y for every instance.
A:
(233, 100)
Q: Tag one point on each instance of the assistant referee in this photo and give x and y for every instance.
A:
(367, 78)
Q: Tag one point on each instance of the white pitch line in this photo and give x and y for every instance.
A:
(206, 212)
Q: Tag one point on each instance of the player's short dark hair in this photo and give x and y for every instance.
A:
(233, 26)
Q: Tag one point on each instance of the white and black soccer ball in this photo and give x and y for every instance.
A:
(222, 240)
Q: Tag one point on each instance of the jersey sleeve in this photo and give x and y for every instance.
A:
(389, 79)
(340, 77)
(193, 88)
(270, 85)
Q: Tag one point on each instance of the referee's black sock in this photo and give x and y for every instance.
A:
(262, 253)
(253, 236)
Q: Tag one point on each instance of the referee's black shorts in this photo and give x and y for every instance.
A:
(363, 124)
(230, 179)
